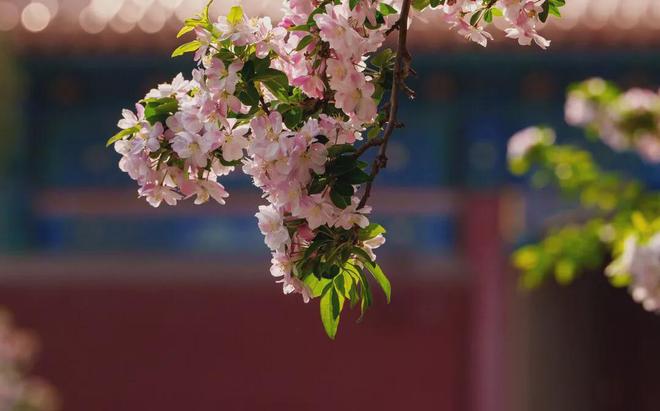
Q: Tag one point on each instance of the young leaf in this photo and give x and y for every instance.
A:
(367, 297)
(305, 42)
(316, 285)
(159, 110)
(186, 48)
(371, 231)
(386, 9)
(185, 29)
(235, 15)
(381, 279)
(331, 305)
(420, 5)
(301, 27)
(121, 135)
(488, 16)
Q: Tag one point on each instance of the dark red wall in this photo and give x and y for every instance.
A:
(179, 346)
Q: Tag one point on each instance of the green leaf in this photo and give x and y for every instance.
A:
(341, 165)
(272, 75)
(420, 5)
(121, 135)
(342, 284)
(371, 231)
(205, 11)
(293, 117)
(382, 58)
(345, 190)
(554, 10)
(386, 9)
(313, 247)
(186, 48)
(474, 20)
(305, 42)
(316, 285)
(226, 55)
(355, 176)
(184, 30)
(158, 110)
(488, 16)
(361, 254)
(353, 3)
(301, 27)
(339, 200)
(317, 185)
(543, 15)
(339, 149)
(331, 305)
(367, 296)
(235, 15)
(381, 279)
(250, 95)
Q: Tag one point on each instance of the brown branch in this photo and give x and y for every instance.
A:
(264, 105)
(366, 146)
(401, 72)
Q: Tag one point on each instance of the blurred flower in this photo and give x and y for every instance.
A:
(525, 140)
(642, 263)
(18, 390)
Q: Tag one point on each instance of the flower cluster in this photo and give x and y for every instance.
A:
(293, 105)
(19, 391)
(520, 18)
(286, 104)
(627, 120)
(181, 139)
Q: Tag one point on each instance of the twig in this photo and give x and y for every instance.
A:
(264, 106)
(401, 72)
(366, 146)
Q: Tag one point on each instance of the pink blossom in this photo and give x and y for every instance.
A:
(131, 119)
(220, 78)
(350, 217)
(354, 97)
(192, 146)
(156, 194)
(272, 227)
(210, 189)
(233, 143)
(316, 209)
(312, 85)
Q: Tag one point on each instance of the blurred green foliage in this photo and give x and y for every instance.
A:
(612, 207)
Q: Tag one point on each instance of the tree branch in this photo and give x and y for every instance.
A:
(264, 105)
(401, 72)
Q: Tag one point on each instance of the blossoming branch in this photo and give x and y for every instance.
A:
(296, 105)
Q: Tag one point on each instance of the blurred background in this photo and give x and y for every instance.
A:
(174, 308)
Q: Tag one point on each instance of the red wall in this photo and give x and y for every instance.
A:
(199, 347)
